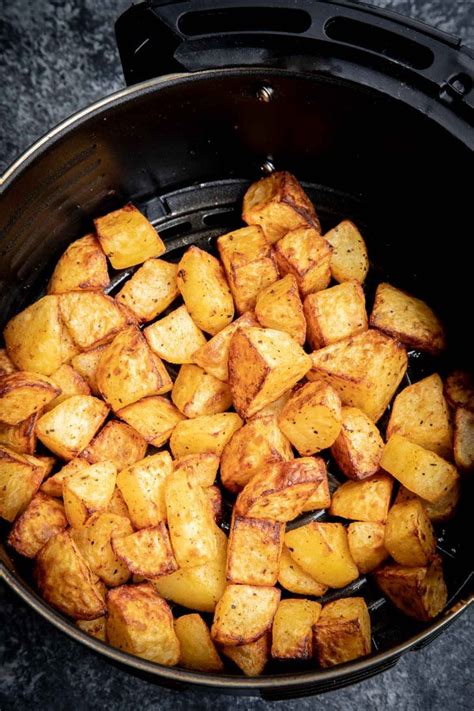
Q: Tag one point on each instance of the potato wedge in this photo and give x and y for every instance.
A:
(150, 290)
(6, 365)
(359, 446)
(22, 437)
(142, 487)
(140, 622)
(292, 630)
(42, 519)
(278, 204)
(127, 237)
(244, 613)
(322, 550)
(94, 541)
(349, 258)
(197, 650)
(117, 443)
(408, 319)
(53, 486)
(409, 536)
(366, 544)
(442, 510)
(254, 550)
(91, 317)
(88, 491)
(250, 658)
(365, 370)
(334, 314)
(292, 577)
(197, 393)
(153, 417)
(82, 266)
(200, 468)
(342, 632)
(279, 306)
(23, 394)
(94, 628)
(147, 552)
(175, 337)
(86, 365)
(464, 439)
(70, 382)
(20, 478)
(307, 256)
(248, 263)
(366, 500)
(321, 496)
(208, 433)
(459, 389)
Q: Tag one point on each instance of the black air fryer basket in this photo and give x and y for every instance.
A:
(371, 111)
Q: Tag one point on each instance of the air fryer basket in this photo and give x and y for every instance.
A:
(370, 138)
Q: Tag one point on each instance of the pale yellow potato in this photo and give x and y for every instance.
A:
(254, 550)
(142, 487)
(200, 468)
(86, 365)
(311, 419)
(459, 389)
(442, 510)
(197, 650)
(82, 266)
(249, 265)
(94, 541)
(117, 443)
(408, 319)
(70, 382)
(279, 306)
(146, 552)
(250, 658)
(91, 317)
(175, 337)
(205, 291)
(20, 478)
(127, 237)
(244, 613)
(307, 256)
(153, 417)
(342, 632)
(419, 470)
(292, 630)
(279, 490)
(366, 544)
(94, 628)
(321, 496)
(334, 314)
(292, 577)
(53, 486)
(322, 550)
(365, 370)
(208, 433)
(359, 446)
(213, 356)
(197, 393)
(150, 290)
(409, 535)
(88, 491)
(366, 500)
(70, 426)
(42, 519)
(22, 437)
(23, 394)
(263, 364)
(65, 580)
(140, 622)
(6, 365)
(418, 592)
(349, 258)
(464, 439)
(258, 443)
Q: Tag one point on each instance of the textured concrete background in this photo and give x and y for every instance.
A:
(57, 56)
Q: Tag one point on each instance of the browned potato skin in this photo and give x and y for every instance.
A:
(94, 628)
(334, 314)
(146, 552)
(464, 439)
(409, 536)
(459, 389)
(366, 500)
(42, 520)
(198, 651)
(366, 544)
(6, 365)
(150, 290)
(244, 613)
(349, 258)
(20, 478)
(279, 306)
(321, 496)
(359, 446)
(418, 592)
(83, 266)
(214, 497)
(118, 443)
(23, 394)
(254, 550)
(250, 658)
(292, 631)
(305, 254)
(342, 632)
(20, 438)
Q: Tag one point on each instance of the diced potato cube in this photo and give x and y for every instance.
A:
(197, 650)
(305, 254)
(409, 536)
(292, 631)
(117, 504)
(349, 258)
(197, 393)
(321, 496)
(359, 446)
(127, 237)
(244, 613)
(292, 577)
(23, 394)
(248, 263)
(175, 337)
(343, 631)
(94, 541)
(91, 317)
(22, 437)
(442, 510)
(250, 658)
(365, 370)
(408, 319)
(88, 491)
(366, 500)
(334, 314)
(311, 419)
(20, 478)
(142, 487)
(274, 408)
(140, 622)
(86, 365)
(214, 499)
(83, 266)
(279, 306)
(118, 443)
(54, 485)
(200, 468)
(278, 204)
(253, 554)
(153, 417)
(150, 290)
(70, 382)
(464, 439)
(322, 550)
(366, 544)
(94, 628)
(43, 519)
(147, 552)
(6, 365)
(208, 433)
(459, 389)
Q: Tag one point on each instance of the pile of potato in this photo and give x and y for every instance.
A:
(111, 473)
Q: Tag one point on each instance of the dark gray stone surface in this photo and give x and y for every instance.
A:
(57, 56)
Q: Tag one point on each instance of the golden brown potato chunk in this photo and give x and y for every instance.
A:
(140, 622)
(365, 370)
(205, 291)
(464, 439)
(244, 613)
(54, 485)
(254, 550)
(70, 382)
(322, 550)
(214, 499)
(349, 258)
(83, 266)
(200, 468)
(175, 337)
(22, 437)
(150, 290)
(6, 365)
(147, 552)
(359, 446)
(142, 487)
(23, 394)
(366, 544)
(292, 577)
(118, 443)
(153, 417)
(459, 389)
(408, 319)
(334, 314)
(311, 419)
(20, 478)
(94, 628)
(117, 504)
(409, 536)
(366, 500)
(42, 520)
(292, 631)
(86, 365)
(442, 510)
(257, 443)
(307, 256)
(250, 658)
(274, 408)
(342, 632)
(197, 393)
(127, 237)
(418, 469)
(278, 204)
(321, 496)
(279, 306)
(197, 650)
(418, 592)
(88, 491)
(208, 433)
(91, 317)
(263, 364)
(66, 581)
(94, 541)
